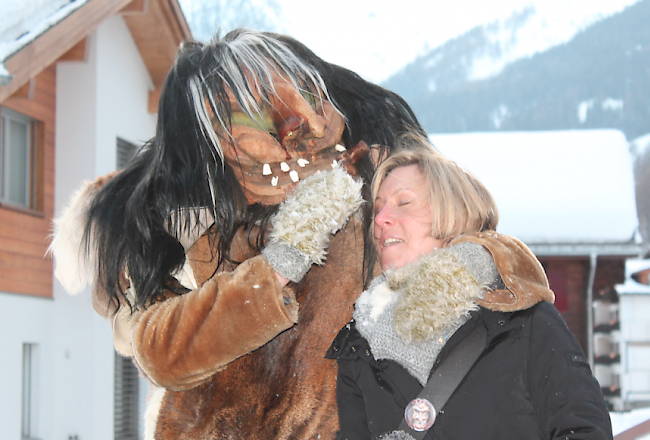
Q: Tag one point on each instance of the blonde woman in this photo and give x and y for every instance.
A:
(530, 380)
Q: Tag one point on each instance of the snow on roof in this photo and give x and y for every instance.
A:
(640, 145)
(557, 187)
(630, 286)
(622, 421)
(633, 266)
(21, 22)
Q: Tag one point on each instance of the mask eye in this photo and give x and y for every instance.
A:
(264, 122)
(310, 98)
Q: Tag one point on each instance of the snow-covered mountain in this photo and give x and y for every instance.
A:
(597, 79)
(486, 50)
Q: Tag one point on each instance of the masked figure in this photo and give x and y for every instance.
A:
(172, 244)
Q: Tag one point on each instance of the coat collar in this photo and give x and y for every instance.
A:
(521, 272)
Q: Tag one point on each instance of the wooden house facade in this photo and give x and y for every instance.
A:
(76, 87)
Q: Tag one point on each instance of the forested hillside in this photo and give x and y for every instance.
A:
(601, 78)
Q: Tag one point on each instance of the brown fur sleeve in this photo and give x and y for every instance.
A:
(520, 270)
(182, 341)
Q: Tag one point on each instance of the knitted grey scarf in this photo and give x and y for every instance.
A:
(409, 314)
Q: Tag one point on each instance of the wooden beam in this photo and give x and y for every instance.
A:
(26, 91)
(157, 34)
(78, 52)
(184, 28)
(154, 97)
(56, 41)
(135, 7)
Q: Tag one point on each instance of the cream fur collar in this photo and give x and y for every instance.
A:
(430, 296)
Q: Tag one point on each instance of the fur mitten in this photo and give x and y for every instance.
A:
(318, 207)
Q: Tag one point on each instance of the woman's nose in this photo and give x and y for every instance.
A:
(384, 217)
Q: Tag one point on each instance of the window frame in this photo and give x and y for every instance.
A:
(34, 164)
(30, 391)
(125, 151)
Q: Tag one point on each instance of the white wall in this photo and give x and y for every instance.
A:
(635, 347)
(98, 100)
(123, 84)
(24, 320)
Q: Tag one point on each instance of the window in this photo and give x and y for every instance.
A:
(125, 152)
(19, 160)
(29, 411)
(126, 399)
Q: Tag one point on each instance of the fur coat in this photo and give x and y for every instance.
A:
(219, 354)
(208, 351)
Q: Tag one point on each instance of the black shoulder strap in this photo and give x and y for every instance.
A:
(447, 377)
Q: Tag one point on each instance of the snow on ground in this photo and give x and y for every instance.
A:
(573, 186)
(622, 421)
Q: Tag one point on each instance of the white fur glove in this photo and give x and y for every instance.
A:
(319, 206)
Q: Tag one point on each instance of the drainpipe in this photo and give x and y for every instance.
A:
(593, 257)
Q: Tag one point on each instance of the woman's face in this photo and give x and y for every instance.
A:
(403, 218)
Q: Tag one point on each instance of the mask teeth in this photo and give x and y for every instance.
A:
(274, 181)
(340, 148)
(294, 176)
(302, 162)
(266, 169)
(284, 167)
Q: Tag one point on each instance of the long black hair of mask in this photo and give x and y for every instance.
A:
(135, 220)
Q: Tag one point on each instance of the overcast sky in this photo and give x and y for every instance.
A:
(375, 38)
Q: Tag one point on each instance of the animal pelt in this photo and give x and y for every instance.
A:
(263, 395)
(75, 266)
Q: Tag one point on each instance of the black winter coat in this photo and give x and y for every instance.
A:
(531, 382)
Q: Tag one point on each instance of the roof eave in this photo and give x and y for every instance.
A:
(615, 249)
(142, 18)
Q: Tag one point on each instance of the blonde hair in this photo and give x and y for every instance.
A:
(459, 202)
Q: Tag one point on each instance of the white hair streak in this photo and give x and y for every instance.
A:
(203, 116)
